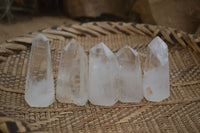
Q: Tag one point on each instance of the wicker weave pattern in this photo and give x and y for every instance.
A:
(179, 113)
(97, 29)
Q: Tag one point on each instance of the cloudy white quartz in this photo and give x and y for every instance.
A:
(130, 75)
(72, 82)
(156, 86)
(108, 78)
(39, 90)
(103, 72)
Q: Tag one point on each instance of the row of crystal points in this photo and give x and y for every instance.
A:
(111, 77)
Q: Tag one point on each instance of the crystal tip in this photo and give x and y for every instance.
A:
(41, 37)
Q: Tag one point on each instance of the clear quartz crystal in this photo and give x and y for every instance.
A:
(130, 76)
(156, 71)
(39, 90)
(103, 72)
(72, 82)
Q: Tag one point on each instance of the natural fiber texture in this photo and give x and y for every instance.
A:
(179, 113)
(97, 29)
(9, 125)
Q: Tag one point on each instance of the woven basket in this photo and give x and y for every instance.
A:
(179, 113)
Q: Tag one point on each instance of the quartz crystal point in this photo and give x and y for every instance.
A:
(39, 91)
(130, 76)
(103, 72)
(156, 71)
(72, 83)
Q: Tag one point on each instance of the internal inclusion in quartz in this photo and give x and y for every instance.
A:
(39, 90)
(130, 75)
(103, 72)
(156, 71)
(72, 82)
(110, 78)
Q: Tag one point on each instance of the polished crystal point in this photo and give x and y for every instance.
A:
(130, 76)
(156, 85)
(39, 90)
(103, 72)
(72, 82)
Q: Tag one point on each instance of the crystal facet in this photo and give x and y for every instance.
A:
(130, 76)
(72, 82)
(103, 72)
(156, 71)
(39, 91)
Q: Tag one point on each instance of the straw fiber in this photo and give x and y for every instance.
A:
(179, 113)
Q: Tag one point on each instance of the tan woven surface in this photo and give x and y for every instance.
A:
(179, 113)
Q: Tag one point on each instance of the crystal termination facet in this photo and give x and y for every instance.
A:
(72, 83)
(39, 90)
(156, 71)
(103, 72)
(130, 75)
